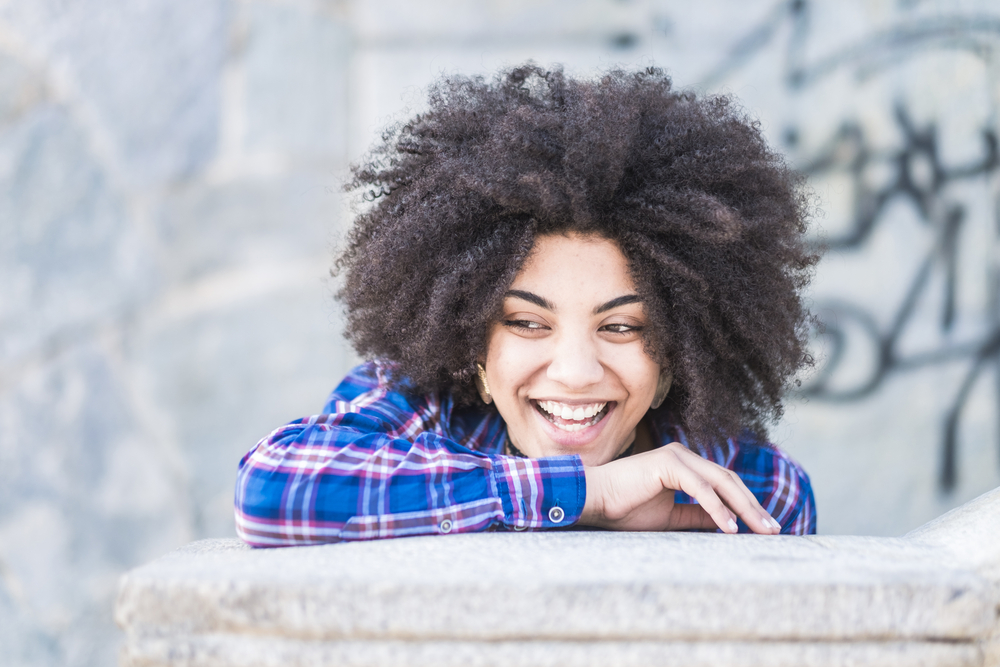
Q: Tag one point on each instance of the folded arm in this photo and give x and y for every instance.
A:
(346, 477)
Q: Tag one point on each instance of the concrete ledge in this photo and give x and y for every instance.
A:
(578, 598)
(210, 651)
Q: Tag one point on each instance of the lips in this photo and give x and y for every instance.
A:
(571, 418)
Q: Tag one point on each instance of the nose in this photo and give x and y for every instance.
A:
(575, 363)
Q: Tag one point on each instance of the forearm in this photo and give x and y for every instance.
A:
(314, 482)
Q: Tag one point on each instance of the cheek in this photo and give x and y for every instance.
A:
(638, 371)
(510, 363)
(506, 348)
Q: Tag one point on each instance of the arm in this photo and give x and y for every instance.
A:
(356, 474)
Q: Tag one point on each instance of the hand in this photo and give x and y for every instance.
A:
(637, 493)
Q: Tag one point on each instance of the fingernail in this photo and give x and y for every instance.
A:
(732, 526)
(774, 522)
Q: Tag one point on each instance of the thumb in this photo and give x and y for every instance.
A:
(691, 517)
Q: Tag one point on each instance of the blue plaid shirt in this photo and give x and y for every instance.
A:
(382, 463)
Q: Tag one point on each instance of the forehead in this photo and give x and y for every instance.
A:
(575, 265)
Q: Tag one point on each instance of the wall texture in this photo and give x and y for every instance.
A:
(170, 178)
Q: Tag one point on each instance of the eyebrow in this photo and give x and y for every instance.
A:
(543, 303)
(618, 301)
(530, 298)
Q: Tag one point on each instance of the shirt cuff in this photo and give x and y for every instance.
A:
(540, 493)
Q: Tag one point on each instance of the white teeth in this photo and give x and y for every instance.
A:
(573, 428)
(571, 413)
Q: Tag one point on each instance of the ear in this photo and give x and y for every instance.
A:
(482, 385)
(662, 388)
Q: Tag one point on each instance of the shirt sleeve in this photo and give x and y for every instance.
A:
(781, 486)
(799, 505)
(348, 476)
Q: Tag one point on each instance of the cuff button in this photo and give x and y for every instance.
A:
(445, 526)
(556, 514)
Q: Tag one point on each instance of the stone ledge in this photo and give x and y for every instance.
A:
(579, 598)
(216, 650)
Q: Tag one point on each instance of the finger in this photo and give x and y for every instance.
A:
(701, 489)
(735, 494)
(750, 510)
(768, 520)
(726, 482)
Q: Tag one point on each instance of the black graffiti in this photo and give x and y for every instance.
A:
(850, 152)
(867, 56)
(917, 176)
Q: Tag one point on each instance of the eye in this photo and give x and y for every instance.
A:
(621, 329)
(524, 325)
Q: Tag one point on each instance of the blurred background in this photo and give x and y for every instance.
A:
(170, 200)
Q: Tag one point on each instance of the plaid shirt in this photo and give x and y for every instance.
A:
(383, 463)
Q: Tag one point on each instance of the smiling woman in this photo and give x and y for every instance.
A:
(581, 304)
(565, 363)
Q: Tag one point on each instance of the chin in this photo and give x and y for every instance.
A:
(597, 458)
(592, 454)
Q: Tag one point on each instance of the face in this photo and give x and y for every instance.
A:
(565, 364)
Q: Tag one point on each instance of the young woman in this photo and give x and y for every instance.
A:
(581, 300)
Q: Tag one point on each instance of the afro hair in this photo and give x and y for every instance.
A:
(710, 219)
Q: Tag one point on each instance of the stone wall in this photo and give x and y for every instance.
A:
(170, 178)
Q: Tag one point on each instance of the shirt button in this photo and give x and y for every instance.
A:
(520, 528)
(556, 514)
(445, 526)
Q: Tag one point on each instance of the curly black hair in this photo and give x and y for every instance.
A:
(710, 219)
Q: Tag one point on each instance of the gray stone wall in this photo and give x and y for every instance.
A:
(170, 178)
(169, 199)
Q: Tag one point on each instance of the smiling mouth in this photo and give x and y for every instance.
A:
(571, 418)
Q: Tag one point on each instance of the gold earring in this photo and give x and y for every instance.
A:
(482, 385)
(662, 388)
